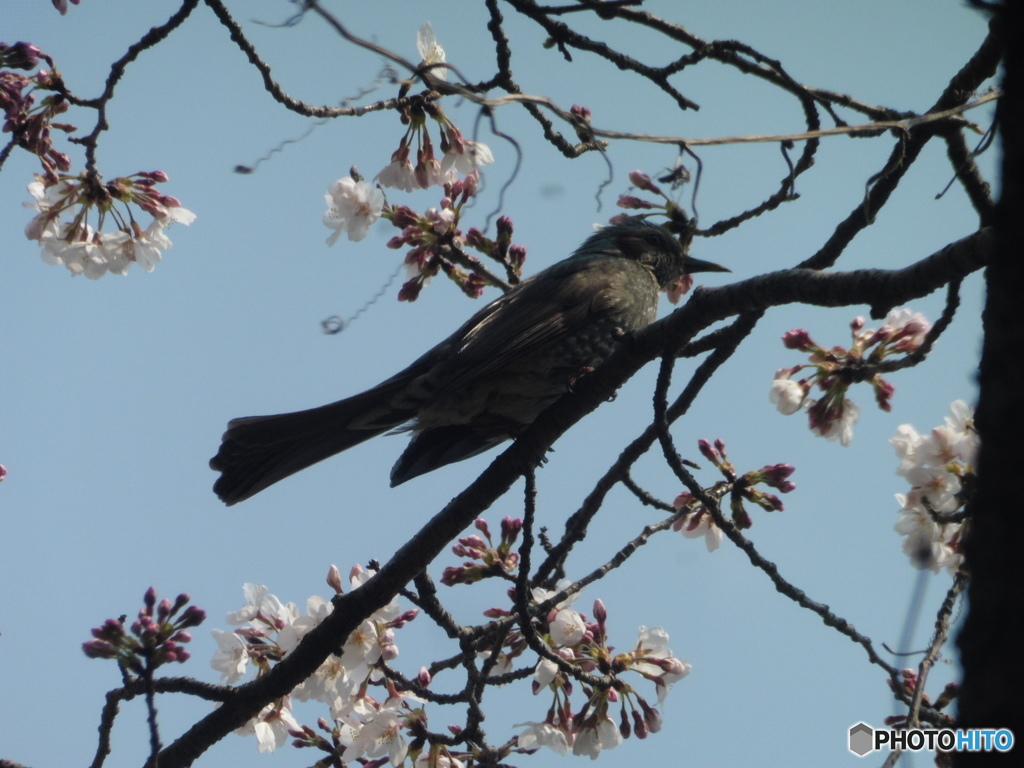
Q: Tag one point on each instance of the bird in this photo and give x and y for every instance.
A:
(490, 379)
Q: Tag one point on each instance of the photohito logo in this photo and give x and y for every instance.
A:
(863, 739)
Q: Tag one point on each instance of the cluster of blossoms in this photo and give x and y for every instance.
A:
(269, 630)
(940, 469)
(834, 370)
(156, 637)
(697, 520)
(485, 558)
(581, 644)
(29, 123)
(73, 209)
(372, 733)
(67, 238)
(459, 155)
(433, 239)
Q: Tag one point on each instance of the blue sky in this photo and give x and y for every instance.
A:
(114, 393)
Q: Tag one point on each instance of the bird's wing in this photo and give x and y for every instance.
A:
(539, 312)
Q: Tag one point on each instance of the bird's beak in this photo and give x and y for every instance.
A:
(697, 265)
(681, 285)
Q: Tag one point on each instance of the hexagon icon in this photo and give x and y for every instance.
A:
(861, 739)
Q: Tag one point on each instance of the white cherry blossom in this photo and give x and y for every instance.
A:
(430, 51)
(352, 207)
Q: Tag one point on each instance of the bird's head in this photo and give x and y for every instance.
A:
(657, 249)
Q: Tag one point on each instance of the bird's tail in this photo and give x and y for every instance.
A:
(257, 451)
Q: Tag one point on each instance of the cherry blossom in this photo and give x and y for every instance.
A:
(834, 419)
(232, 656)
(833, 415)
(928, 544)
(352, 207)
(430, 51)
(466, 157)
(939, 467)
(787, 395)
(653, 659)
(904, 328)
(544, 674)
(68, 240)
(398, 174)
(260, 605)
(539, 735)
(271, 725)
(567, 628)
(376, 730)
(603, 734)
(700, 523)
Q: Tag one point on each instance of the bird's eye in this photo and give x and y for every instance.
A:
(657, 239)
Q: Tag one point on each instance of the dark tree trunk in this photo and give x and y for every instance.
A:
(992, 695)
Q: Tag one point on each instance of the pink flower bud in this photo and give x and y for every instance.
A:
(707, 451)
(881, 335)
(405, 618)
(410, 291)
(510, 528)
(192, 617)
(632, 202)
(470, 184)
(504, 227)
(583, 113)
(163, 610)
(682, 500)
(799, 339)
(883, 393)
(642, 181)
(452, 575)
(334, 579)
(21, 55)
(651, 716)
(99, 649)
(516, 256)
(473, 542)
(639, 726)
